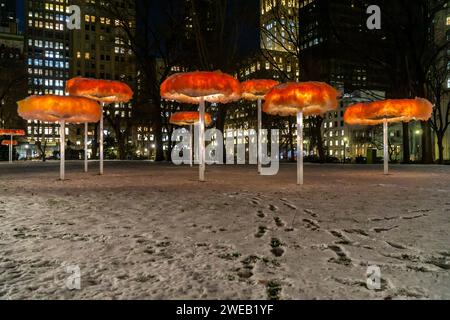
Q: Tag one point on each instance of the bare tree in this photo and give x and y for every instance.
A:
(217, 28)
(157, 49)
(281, 45)
(440, 122)
(12, 85)
(41, 141)
(122, 126)
(373, 136)
(406, 49)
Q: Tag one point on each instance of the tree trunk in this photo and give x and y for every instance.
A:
(95, 142)
(157, 129)
(291, 142)
(321, 151)
(406, 146)
(427, 145)
(440, 144)
(122, 147)
(41, 151)
(220, 125)
(170, 145)
(317, 136)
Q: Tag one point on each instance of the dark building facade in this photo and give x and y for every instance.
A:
(8, 17)
(47, 44)
(334, 42)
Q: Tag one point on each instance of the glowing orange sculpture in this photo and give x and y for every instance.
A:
(388, 111)
(52, 108)
(193, 87)
(9, 143)
(306, 98)
(309, 98)
(198, 87)
(189, 118)
(62, 109)
(12, 132)
(256, 90)
(104, 91)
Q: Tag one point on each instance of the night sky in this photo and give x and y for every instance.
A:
(20, 13)
(249, 42)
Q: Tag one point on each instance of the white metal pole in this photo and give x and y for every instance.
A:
(259, 136)
(386, 145)
(101, 142)
(201, 141)
(191, 127)
(300, 148)
(62, 149)
(11, 149)
(86, 147)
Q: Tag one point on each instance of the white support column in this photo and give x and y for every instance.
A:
(259, 135)
(86, 147)
(11, 149)
(191, 128)
(386, 146)
(62, 149)
(300, 148)
(101, 142)
(201, 141)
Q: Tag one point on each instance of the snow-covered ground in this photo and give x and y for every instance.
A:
(152, 231)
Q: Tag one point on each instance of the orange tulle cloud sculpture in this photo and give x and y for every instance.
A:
(191, 87)
(12, 132)
(105, 91)
(376, 113)
(311, 98)
(8, 143)
(51, 108)
(253, 90)
(189, 118)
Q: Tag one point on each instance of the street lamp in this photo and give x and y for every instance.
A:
(417, 143)
(345, 147)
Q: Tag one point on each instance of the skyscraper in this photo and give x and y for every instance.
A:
(101, 49)
(8, 19)
(328, 31)
(12, 66)
(277, 58)
(47, 50)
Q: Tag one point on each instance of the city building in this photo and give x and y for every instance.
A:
(143, 134)
(13, 77)
(101, 49)
(276, 59)
(47, 50)
(8, 18)
(327, 33)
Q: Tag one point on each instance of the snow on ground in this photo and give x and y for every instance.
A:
(148, 231)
